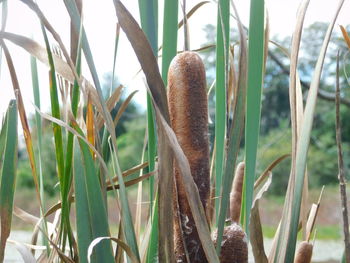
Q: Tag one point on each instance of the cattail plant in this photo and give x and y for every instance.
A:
(234, 245)
(188, 108)
(304, 253)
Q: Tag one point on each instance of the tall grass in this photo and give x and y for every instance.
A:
(86, 144)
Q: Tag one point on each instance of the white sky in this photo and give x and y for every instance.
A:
(100, 20)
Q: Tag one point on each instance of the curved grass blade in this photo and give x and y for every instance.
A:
(222, 55)
(253, 106)
(45, 23)
(40, 53)
(75, 95)
(59, 150)
(130, 171)
(132, 182)
(24, 121)
(123, 108)
(55, 109)
(303, 144)
(111, 102)
(8, 176)
(191, 12)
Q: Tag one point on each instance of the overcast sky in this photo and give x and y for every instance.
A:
(100, 21)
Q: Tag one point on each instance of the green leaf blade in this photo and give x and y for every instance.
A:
(253, 106)
(222, 48)
(8, 176)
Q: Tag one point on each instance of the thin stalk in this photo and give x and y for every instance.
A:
(36, 93)
(253, 106)
(185, 26)
(149, 24)
(222, 48)
(58, 139)
(236, 130)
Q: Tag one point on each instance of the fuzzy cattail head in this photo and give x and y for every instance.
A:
(234, 245)
(188, 109)
(236, 193)
(304, 253)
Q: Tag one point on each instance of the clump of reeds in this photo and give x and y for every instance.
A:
(83, 166)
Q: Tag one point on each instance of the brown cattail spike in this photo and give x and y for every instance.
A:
(188, 108)
(234, 245)
(304, 253)
(236, 193)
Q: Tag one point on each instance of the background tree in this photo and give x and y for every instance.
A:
(275, 117)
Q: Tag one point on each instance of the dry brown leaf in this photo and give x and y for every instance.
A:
(312, 217)
(345, 35)
(256, 235)
(111, 102)
(123, 107)
(90, 134)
